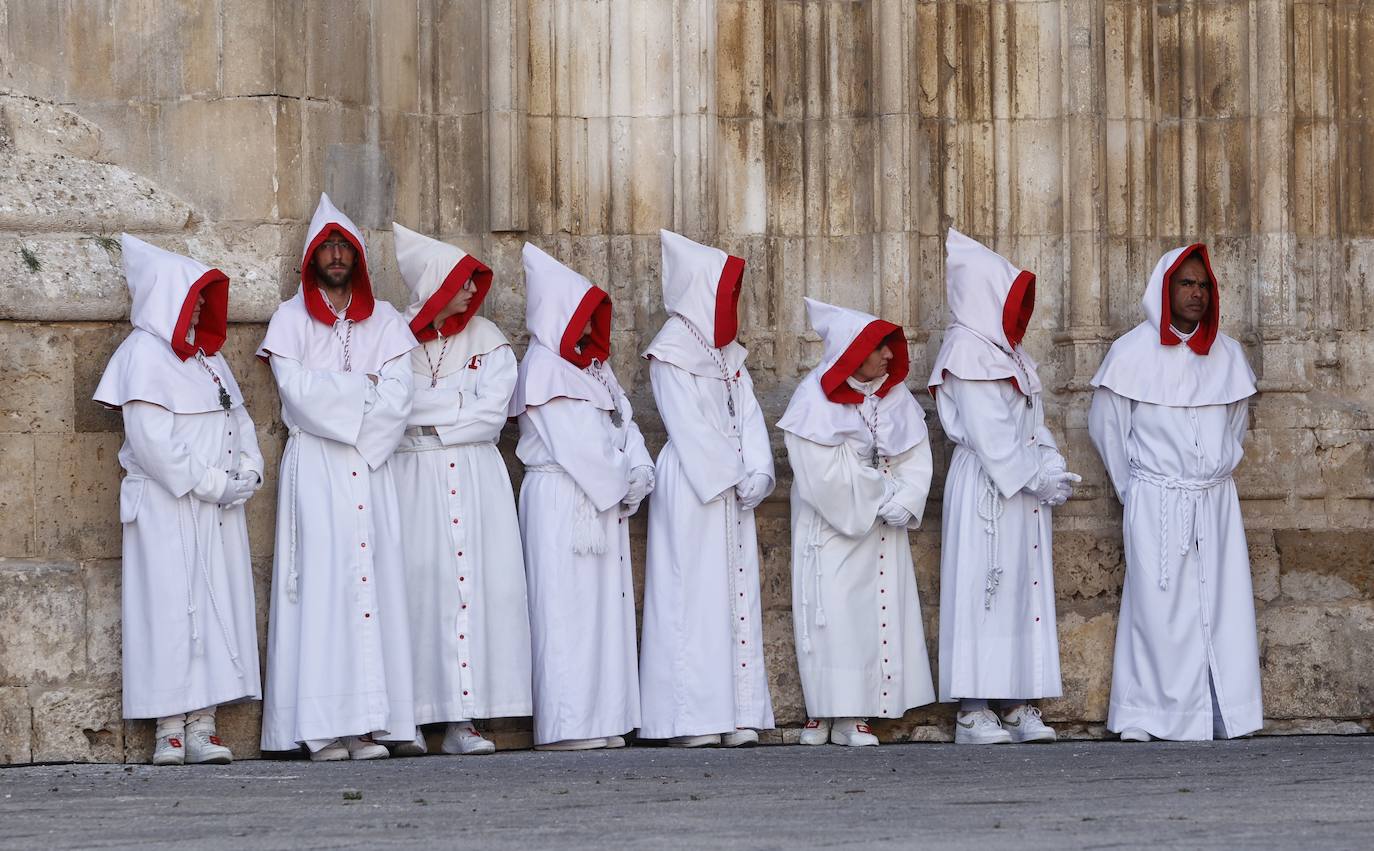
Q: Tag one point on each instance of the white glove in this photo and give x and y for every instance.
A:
(895, 515)
(237, 489)
(641, 485)
(753, 490)
(1053, 487)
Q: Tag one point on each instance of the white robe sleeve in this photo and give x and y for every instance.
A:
(250, 456)
(758, 452)
(384, 423)
(1109, 426)
(983, 412)
(322, 402)
(171, 463)
(436, 406)
(711, 460)
(830, 479)
(1238, 421)
(484, 408)
(575, 433)
(911, 472)
(635, 451)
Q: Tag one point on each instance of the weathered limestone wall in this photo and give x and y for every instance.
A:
(829, 142)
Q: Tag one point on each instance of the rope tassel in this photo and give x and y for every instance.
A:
(990, 508)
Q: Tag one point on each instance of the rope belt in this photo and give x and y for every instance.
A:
(588, 536)
(1186, 494)
(990, 508)
(812, 561)
(292, 576)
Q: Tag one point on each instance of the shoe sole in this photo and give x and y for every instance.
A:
(331, 758)
(408, 750)
(476, 752)
(171, 761)
(973, 741)
(1036, 740)
(813, 744)
(211, 760)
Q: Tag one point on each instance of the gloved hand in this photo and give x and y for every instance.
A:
(895, 515)
(753, 490)
(641, 484)
(237, 489)
(1053, 487)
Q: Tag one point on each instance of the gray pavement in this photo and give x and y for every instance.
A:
(1309, 792)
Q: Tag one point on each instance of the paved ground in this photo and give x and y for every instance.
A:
(1312, 792)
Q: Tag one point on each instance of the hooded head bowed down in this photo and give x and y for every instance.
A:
(990, 305)
(434, 272)
(1150, 363)
(558, 305)
(156, 363)
(824, 407)
(701, 289)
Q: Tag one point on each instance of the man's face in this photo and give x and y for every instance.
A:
(875, 364)
(456, 305)
(1190, 294)
(586, 336)
(334, 261)
(195, 311)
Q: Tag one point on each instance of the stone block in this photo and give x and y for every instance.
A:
(17, 516)
(396, 63)
(248, 48)
(1086, 643)
(739, 58)
(102, 582)
(77, 497)
(461, 174)
(78, 724)
(1306, 655)
(459, 60)
(16, 726)
(780, 657)
(40, 128)
(338, 58)
(1325, 566)
(219, 155)
(43, 605)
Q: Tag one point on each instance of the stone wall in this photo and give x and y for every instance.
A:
(829, 142)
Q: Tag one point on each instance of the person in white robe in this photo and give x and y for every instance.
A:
(997, 615)
(338, 644)
(861, 465)
(1169, 418)
(191, 457)
(465, 573)
(586, 472)
(702, 680)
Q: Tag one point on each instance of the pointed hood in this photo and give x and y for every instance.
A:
(558, 304)
(434, 272)
(701, 289)
(990, 305)
(826, 408)
(329, 220)
(155, 363)
(1150, 363)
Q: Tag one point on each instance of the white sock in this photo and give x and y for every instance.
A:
(172, 725)
(972, 704)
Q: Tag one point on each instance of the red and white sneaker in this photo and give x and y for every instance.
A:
(170, 750)
(203, 747)
(816, 732)
(853, 733)
(462, 738)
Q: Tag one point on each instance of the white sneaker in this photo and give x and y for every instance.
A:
(708, 741)
(170, 750)
(419, 747)
(362, 747)
(741, 738)
(332, 752)
(615, 742)
(462, 738)
(1025, 726)
(816, 732)
(203, 747)
(852, 732)
(573, 745)
(1135, 734)
(980, 727)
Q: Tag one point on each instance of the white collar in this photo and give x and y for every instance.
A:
(867, 388)
(1182, 336)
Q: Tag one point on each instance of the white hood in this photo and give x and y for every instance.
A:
(1150, 363)
(701, 287)
(434, 272)
(155, 363)
(825, 409)
(990, 304)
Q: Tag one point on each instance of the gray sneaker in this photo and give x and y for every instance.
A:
(980, 727)
(1025, 726)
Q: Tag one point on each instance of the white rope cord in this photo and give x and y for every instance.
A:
(813, 562)
(1186, 494)
(990, 507)
(588, 535)
(196, 648)
(210, 592)
(292, 577)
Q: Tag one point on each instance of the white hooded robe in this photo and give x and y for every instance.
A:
(338, 654)
(465, 573)
(701, 668)
(189, 620)
(579, 442)
(856, 614)
(1168, 418)
(997, 617)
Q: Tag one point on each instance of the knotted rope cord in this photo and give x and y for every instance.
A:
(292, 576)
(346, 341)
(210, 592)
(990, 508)
(197, 648)
(435, 367)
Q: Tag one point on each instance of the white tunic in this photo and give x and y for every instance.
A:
(189, 622)
(861, 647)
(465, 573)
(582, 606)
(1187, 608)
(701, 662)
(997, 617)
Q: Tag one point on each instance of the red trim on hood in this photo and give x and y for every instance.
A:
(727, 301)
(363, 302)
(467, 268)
(1016, 312)
(1206, 333)
(213, 326)
(873, 335)
(596, 306)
